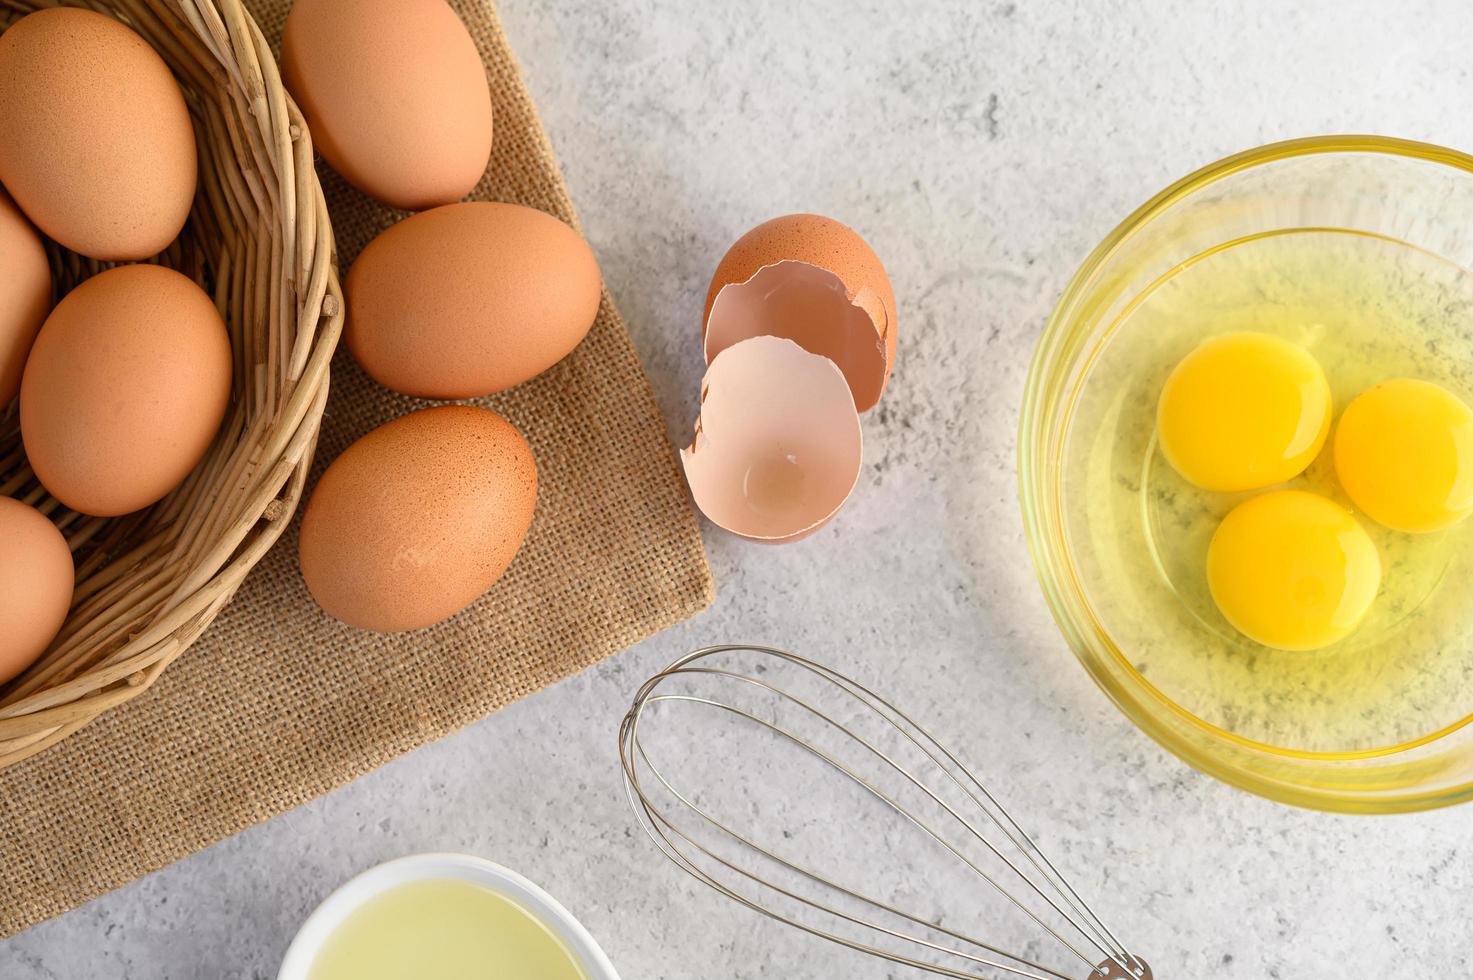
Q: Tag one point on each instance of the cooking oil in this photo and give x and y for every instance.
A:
(443, 929)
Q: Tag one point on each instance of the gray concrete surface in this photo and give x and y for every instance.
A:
(983, 148)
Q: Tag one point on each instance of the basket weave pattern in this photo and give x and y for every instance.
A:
(259, 240)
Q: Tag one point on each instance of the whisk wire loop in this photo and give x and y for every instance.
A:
(684, 861)
(680, 843)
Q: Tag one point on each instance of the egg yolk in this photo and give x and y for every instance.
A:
(1292, 570)
(1404, 454)
(1243, 411)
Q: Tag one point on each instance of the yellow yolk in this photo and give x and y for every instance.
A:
(1404, 454)
(1243, 411)
(1293, 570)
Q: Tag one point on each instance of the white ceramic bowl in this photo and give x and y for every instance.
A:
(420, 867)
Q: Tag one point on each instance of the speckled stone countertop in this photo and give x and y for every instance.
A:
(983, 148)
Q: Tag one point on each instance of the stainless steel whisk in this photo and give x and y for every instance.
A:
(879, 755)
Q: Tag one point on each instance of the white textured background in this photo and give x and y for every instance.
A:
(983, 148)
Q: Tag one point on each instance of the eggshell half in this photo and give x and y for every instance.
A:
(418, 518)
(36, 579)
(395, 94)
(807, 305)
(469, 299)
(777, 448)
(25, 294)
(796, 304)
(125, 389)
(98, 149)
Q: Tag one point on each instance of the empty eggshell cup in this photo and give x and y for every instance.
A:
(777, 447)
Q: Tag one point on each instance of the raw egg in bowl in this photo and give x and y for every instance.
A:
(1245, 458)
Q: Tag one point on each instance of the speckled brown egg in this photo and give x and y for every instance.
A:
(418, 518)
(395, 94)
(98, 148)
(828, 245)
(25, 294)
(36, 578)
(125, 389)
(469, 299)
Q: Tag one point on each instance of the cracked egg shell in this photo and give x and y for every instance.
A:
(777, 447)
(812, 280)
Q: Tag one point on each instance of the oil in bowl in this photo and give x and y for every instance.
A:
(443, 917)
(1355, 254)
(443, 929)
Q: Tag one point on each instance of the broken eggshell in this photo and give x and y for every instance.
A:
(777, 446)
(812, 280)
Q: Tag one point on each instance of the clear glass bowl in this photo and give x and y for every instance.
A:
(1379, 723)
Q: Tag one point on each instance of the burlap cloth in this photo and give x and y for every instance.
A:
(278, 704)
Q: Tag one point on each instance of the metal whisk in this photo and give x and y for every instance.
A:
(860, 751)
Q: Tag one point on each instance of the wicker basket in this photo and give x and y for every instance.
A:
(259, 240)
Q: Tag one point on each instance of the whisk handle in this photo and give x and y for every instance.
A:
(1110, 970)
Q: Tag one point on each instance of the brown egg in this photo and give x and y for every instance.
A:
(395, 94)
(125, 389)
(418, 518)
(36, 578)
(25, 294)
(469, 299)
(814, 281)
(98, 148)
